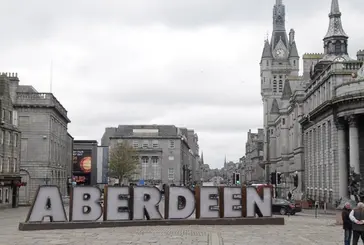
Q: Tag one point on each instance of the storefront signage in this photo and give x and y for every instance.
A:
(142, 202)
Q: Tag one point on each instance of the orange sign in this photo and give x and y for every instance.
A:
(85, 164)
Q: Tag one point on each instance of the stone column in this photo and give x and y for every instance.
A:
(354, 144)
(343, 171)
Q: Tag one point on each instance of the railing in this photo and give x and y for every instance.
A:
(40, 99)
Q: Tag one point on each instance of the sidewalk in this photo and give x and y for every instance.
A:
(319, 212)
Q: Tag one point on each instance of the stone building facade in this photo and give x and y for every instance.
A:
(254, 164)
(168, 154)
(282, 92)
(46, 153)
(333, 116)
(9, 147)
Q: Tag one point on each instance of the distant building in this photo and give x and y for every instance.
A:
(9, 148)
(102, 164)
(84, 167)
(254, 165)
(168, 154)
(45, 143)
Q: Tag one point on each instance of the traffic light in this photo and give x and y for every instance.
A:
(279, 178)
(237, 178)
(273, 178)
(234, 178)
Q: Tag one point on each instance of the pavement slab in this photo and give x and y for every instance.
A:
(299, 230)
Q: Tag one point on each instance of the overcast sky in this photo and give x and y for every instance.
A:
(192, 63)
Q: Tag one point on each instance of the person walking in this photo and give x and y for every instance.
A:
(357, 217)
(347, 223)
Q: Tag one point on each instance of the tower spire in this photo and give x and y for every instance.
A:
(335, 40)
(335, 25)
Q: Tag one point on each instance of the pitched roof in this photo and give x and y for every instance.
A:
(266, 50)
(293, 50)
(287, 91)
(275, 107)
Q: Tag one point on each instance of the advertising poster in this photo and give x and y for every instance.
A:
(82, 167)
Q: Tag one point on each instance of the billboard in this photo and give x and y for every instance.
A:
(82, 167)
(82, 161)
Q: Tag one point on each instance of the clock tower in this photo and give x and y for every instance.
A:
(279, 60)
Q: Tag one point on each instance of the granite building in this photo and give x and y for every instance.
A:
(311, 123)
(168, 154)
(46, 153)
(333, 116)
(281, 90)
(10, 180)
(253, 161)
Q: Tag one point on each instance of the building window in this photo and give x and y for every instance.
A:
(3, 115)
(8, 165)
(15, 165)
(7, 138)
(171, 144)
(329, 135)
(15, 140)
(155, 144)
(144, 167)
(170, 174)
(6, 195)
(1, 163)
(283, 121)
(15, 118)
(156, 168)
(2, 135)
(294, 62)
(135, 144)
(274, 86)
(145, 144)
(280, 86)
(1, 195)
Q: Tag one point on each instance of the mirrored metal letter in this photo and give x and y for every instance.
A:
(181, 202)
(85, 204)
(253, 199)
(145, 203)
(117, 203)
(232, 202)
(47, 203)
(209, 202)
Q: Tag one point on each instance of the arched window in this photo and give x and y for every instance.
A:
(294, 62)
(275, 86)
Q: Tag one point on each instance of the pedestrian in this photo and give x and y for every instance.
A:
(347, 224)
(289, 196)
(357, 217)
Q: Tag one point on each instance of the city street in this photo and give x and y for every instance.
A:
(299, 229)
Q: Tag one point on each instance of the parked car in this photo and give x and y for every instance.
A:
(284, 207)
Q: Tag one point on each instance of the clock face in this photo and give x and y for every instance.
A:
(280, 53)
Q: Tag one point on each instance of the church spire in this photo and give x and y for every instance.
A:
(335, 25)
(335, 40)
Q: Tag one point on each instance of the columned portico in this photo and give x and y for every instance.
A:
(342, 157)
(354, 144)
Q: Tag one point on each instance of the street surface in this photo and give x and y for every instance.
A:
(299, 230)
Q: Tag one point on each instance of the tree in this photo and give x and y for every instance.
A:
(123, 162)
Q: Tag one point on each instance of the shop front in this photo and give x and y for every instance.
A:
(9, 191)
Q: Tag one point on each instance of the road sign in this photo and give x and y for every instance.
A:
(141, 182)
